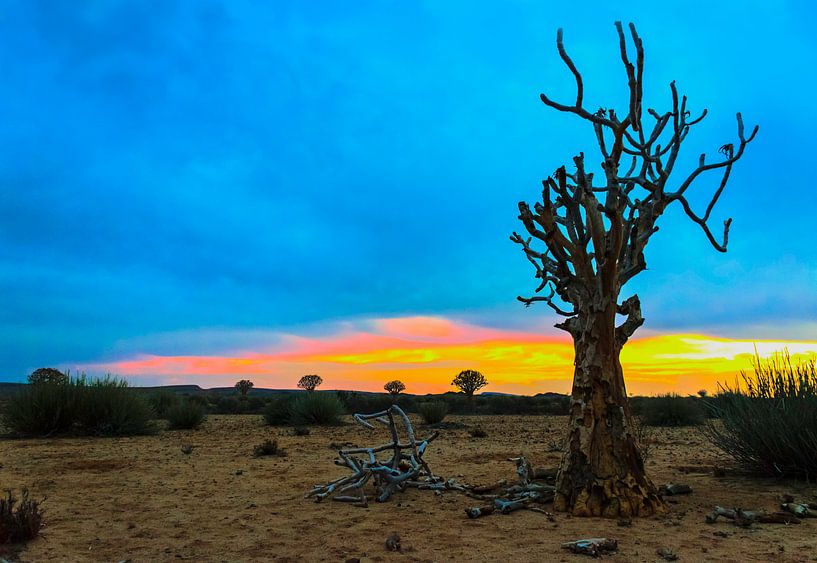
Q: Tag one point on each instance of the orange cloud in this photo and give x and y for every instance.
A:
(427, 352)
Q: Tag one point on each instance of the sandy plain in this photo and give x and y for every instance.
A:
(143, 499)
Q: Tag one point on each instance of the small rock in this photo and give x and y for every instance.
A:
(393, 542)
(187, 449)
(625, 522)
(239, 472)
(666, 554)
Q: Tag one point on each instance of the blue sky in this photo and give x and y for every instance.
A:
(195, 177)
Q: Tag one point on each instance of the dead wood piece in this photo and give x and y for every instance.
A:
(671, 489)
(746, 518)
(593, 547)
(799, 510)
(545, 473)
(479, 489)
(523, 470)
(404, 468)
(506, 506)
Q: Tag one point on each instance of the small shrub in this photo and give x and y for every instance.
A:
(19, 521)
(277, 411)
(186, 415)
(316, 408)
(300, 430)
(433, 412)
(161, 401)
(268, 448)
(768, 424)
(671, 410)
(478, 433)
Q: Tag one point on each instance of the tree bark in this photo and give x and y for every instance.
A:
(602, 472)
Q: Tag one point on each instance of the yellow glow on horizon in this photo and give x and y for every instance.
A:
(426, 355)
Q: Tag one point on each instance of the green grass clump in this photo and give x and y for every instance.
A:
(186, 415)
(268, 448)
(20, 519)
(672, 410)
(97, 406)
(432, 412)
(321, 408)
(768, 421)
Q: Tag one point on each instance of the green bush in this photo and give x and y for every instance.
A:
(277, 411)
(768, 424)
(433, 412)
(99, 406)
(671, 410)
(322, 408)
(161, 401)
(186, 415)
(21, 520)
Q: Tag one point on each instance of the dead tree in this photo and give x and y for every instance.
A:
(586, 240)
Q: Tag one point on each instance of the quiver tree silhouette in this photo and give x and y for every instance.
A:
(469, 382)
(310, 382)
(244, 386)
(48, 376)
(586, 240)
(395, 387)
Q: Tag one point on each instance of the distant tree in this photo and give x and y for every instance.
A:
(395, 387)
(703, 393)
(310, 382)
(48, 376)
(469, 382)
(244, 386)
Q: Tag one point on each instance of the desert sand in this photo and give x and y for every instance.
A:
(143, 499)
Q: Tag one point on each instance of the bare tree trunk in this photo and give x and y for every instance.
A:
(602, 473)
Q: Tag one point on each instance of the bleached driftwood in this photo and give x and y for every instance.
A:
(405, 467)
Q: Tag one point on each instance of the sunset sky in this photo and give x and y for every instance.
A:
(197, 192)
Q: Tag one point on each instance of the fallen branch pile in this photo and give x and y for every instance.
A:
(535, 486)
(405, 467)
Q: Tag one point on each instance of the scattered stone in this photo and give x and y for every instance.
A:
(671, 489)
(625, 522)
(594, 547)
(393, 542)
(666, 554)
(187, 449)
